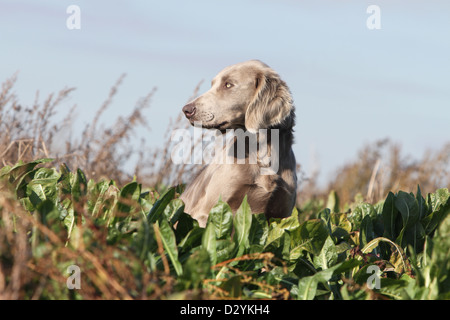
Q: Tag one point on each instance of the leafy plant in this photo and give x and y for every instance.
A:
(132, 242)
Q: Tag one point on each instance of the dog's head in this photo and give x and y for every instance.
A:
(248, 95)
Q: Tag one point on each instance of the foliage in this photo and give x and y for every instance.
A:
(137, 243)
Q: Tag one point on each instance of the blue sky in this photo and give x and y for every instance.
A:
(351, 85)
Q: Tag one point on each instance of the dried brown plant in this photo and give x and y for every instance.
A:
(381, 167)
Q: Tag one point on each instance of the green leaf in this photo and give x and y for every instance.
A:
(174, 210)
(129, 197)
(156, 213)
(196, 268)
(185, 224)
(328, 255)
(209, 243)
(438, 199)
(233, 286)
(341, 226)
(259, 230)
(325, 215)
(398, 289)
(366, 233)
(43, 186)
(423, 208)
(360, 211)
(16, 173)
(289, 223)
(333, 202)
(221, 217)
(278, 227)
(307, 288)
(97, 197)
(193, 238)
(169, 242)
(242, 224)
(79, 185)
(439, 204)
(310, 236)
(224, 250)
(408, 207)
(389, 215)
(144, 242)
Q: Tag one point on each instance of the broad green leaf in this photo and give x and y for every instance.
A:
(158, 208)
(423, 209)
(185, 224)
(438, 199)
(360, 211)
(278, 227)
(16, 173)
(209, 243)
(333, 202)
(340, 220)
(389, 215)
(97, 197)
(361, 276)
(408, 207)
(196, 269)
(174, 210)
(274, 234)
(79, 185)
(224, 250)
(43, 186)
(233, 286)
(242, 224)
(310, 236)
(328, 255)
(289, 223)
(439, 204)
(78, 189)
(129, 197)
(307, 287)
(394, 288)
(366, 233)
(259, 230)
(325, 215)
(144, 241)
(169, 242)
(192, 239)
(221, 217)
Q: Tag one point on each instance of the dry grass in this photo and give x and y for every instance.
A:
(29, 133)
(381, 167)
(36, 267)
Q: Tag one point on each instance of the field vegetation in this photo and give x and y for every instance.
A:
(379, 230)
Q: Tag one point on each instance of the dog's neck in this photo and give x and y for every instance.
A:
(273, 144)
(286, 132)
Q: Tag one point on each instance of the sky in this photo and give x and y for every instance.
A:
(351, 84)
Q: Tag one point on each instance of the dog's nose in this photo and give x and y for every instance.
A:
(189, 110)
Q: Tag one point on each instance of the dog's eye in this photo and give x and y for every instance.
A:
(228, 85)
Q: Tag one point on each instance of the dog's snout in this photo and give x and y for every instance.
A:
(189, 110)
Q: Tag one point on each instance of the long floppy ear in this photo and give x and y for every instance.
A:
(271, 105)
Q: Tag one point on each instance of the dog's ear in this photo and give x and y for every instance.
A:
(271, 104)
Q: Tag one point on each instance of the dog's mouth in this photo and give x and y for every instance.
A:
(221, 126)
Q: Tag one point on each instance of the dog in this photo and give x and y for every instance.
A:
(252, 98)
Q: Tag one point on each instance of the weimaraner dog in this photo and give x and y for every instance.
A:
(249, 96)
